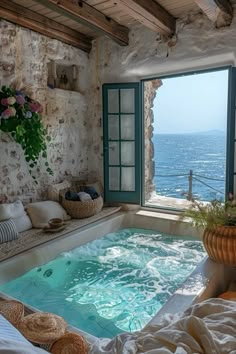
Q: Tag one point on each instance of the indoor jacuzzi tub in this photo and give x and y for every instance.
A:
(148, 264)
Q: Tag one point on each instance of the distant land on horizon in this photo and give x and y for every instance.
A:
(207, 132)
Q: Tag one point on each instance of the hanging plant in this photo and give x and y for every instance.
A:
(20, 117)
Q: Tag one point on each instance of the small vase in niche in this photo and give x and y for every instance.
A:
(64, 82)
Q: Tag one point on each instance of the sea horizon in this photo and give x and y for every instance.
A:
(204, 132)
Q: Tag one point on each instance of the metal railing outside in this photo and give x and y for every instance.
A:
(191, 177)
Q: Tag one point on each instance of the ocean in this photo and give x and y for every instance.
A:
(203, 153)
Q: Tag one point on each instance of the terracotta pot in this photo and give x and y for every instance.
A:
(220, 244)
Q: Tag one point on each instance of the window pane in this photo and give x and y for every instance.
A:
(127, 101)
(127, 126)
(114, 156)
(113, 101)
(128, 179)
(113, 127)
(114, 178)
(127, 153)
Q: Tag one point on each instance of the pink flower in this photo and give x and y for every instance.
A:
(4, 101)
(11, 100)
(36, 107)
(20, 99)
(9, 112)
(6, 114)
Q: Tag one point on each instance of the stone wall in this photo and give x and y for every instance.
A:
(150, 91)
(24, 56)
(74, 119)
(198, 45)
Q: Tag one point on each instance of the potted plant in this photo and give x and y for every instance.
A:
(20, 116)
(218, 219)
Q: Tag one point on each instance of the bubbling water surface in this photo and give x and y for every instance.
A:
(113, 284)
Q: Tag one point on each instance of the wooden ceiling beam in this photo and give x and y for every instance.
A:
(39, 23)
(87, 15)
(218, 11)
(150, 14)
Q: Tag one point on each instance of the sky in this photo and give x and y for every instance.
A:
(192, 103)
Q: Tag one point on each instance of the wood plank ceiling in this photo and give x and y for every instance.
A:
(77, 22)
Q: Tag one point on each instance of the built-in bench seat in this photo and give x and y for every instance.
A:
(35, 237)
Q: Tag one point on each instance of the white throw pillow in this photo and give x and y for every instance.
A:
(41, 212)
(23, 223)
(11, 210)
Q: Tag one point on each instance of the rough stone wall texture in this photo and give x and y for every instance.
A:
(199, 45)
(75, 119)
(95, 114)
(150, 92)
(24, 56)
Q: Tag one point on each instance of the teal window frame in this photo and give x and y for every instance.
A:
(231, 134)
(113, 195)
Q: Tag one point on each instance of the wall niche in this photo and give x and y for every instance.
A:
(63, 76)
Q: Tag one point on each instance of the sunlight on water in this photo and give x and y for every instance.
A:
(113, 284)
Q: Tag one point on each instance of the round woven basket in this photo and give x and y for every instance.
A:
(12, 310)
(220, 244)
(80, 210)
(70, 343)
(42, 327)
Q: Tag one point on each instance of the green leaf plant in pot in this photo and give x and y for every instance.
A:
(20, 116)
(218, 219)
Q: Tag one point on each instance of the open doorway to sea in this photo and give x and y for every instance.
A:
(185, 121)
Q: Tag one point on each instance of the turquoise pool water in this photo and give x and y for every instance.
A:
(110, 285)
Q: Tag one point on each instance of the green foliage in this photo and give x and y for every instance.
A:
(210, 215)
(20, 117)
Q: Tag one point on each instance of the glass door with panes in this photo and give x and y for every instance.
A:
(122, 144)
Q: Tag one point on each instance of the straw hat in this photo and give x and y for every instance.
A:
(70, 343)
(42, 327)
(12, 310)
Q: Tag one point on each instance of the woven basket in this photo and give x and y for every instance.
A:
(220, 244)
(80, 210)
(70, 343)
(12, 310)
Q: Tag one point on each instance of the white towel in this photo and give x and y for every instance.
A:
(84, 196)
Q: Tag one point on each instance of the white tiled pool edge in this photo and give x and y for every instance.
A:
(207, 280)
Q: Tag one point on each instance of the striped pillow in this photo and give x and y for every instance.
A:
(8, 231)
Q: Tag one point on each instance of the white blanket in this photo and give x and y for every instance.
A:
(207, 328)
